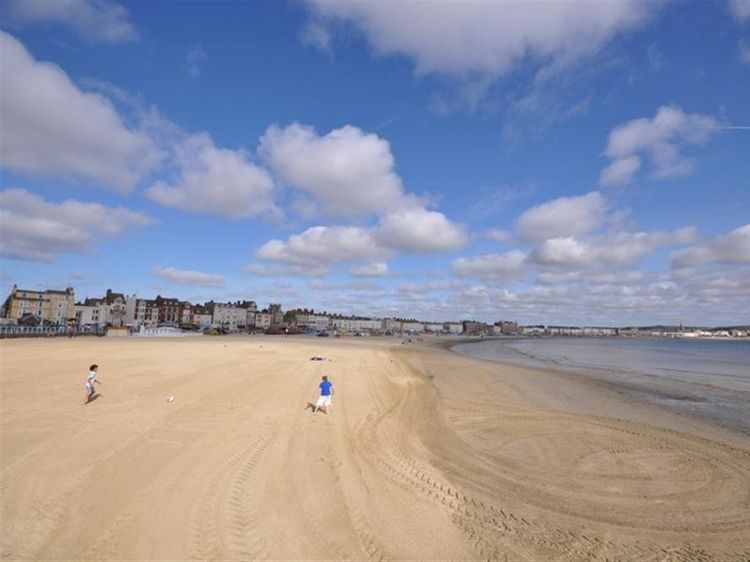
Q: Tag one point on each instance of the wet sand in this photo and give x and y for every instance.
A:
(426, 455)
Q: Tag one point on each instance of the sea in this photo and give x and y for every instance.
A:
(709, 378)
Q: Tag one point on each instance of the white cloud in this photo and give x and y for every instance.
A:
(99, 21)
(420, 230)
(314, 34)
(461, 38)
(731, 248)
(606, 250)
(50, 127)
(744, 46)
(620, 171)
(36, 230)
(349, 171)
(194, 60)
(376, 269)
(323, 245)
(498, 235)
(566, 251)
(492, 266)
(659, 137)
(565, 216)
(217, 181)
(358, 286)
(186, 277)
(286, 270)
(740, 9)
(410, 231)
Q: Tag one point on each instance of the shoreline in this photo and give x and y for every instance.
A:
(642, 388)
(427, 454)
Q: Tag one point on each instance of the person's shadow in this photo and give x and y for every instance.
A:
(93, 397)
(310, 406)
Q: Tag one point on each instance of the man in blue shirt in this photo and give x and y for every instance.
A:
(324, 400)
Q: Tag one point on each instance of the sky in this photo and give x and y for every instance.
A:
(547, 162)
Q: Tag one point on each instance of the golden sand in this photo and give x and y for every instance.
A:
(426, 455)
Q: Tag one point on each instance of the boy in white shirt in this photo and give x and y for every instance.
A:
(90, 383)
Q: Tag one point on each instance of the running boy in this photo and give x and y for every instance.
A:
(324, 400)
(90, 383)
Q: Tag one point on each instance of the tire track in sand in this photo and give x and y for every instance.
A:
(492, 529)
(227, 498)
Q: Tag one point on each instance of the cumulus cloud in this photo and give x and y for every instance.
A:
(744, 46)
(731, 248)
(322, 245)
(605, 250)
(286, 270)
(498, 235)
(186, 277)
(215, 180)
(358, 286)
(377, 269)
(461, 38)
(349, 171)
(565, 216)
(566, 251)
(620, 172)
(314, 34)
(661, 137)
(51, 127)
(492, 266)
(99, 21)
(420, 230)
(408, 231)
(740, 9)
(194, 60)
(37, 230)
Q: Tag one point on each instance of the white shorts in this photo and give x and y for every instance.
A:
(323, 401)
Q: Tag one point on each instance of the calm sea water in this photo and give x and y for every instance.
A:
(709, 378)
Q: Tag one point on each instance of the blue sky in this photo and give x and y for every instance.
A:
(545, 162)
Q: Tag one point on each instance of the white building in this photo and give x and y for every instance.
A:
(228, 316)
(412, 326)
(262, 320)
(391, 325)
(309, 319)
(370, 325)
(202, 320)
(141, 312)
(111, 310)
(453, 328)
(87, 314)
(355, 324)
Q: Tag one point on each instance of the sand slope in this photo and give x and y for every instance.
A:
(426, 455)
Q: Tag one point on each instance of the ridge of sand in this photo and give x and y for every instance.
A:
(426, 455)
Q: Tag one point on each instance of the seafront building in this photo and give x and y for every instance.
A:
(141, 312)
(56, 310)
(304, 320)
(354, 324)
(232, 317)
(262, 321)
(111, 310)
(49, 307)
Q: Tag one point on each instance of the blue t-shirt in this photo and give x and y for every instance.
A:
(325, 388)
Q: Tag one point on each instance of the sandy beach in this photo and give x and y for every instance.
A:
(427, 454)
